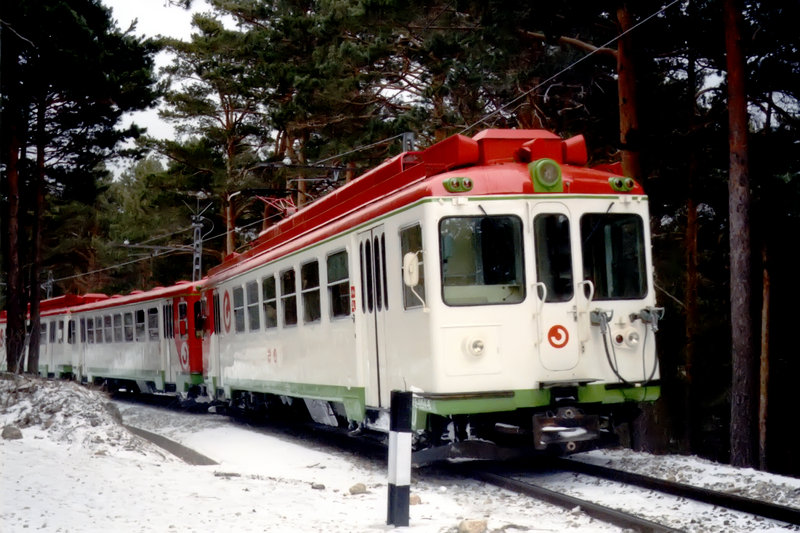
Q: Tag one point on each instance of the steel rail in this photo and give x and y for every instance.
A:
(598, 512)
(735, 502)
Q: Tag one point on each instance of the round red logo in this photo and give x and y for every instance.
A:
(226, 311)
(558, 336)
(185, 355)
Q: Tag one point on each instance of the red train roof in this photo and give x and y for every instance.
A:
(495, 161)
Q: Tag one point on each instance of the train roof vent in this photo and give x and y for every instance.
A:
(502, 146)
(453, 152)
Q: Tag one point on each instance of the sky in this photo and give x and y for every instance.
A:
(154, 17)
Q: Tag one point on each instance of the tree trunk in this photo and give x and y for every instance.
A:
(743, 390)
(690, 298)
(628, 116)
(15, 305)
(764, 366)
(36, 238)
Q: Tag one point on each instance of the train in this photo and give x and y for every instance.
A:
(499, 278)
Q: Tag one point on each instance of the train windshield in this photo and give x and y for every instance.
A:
(482, 260)
(614, 255)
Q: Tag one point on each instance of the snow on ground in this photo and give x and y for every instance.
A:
(76, 469)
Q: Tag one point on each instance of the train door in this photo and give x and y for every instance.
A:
(374, 304)
(560, 298)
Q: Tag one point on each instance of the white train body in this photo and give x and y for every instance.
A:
(526, 295)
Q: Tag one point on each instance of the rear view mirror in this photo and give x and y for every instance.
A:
(411, 269)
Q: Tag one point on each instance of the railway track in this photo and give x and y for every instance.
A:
(534, 484)
(596, 511)
(735, 502)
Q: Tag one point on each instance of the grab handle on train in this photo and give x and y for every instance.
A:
(586, 288)
(539, 307)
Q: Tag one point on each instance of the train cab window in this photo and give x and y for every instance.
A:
(614, 255)
(90, 330)
(238, 309)
(71, 331)
(118, 328)
(411, 241)
(269, 301)
(554, 256)
(141, 326)
(200, 318)
(183, 320)
(482, 260)
(127, 324)
(288, 297)
(338, 284)
(253, 310)
(152, 323)
(309, 281)
(108, 329)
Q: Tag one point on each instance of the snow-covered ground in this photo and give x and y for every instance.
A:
(76, 469)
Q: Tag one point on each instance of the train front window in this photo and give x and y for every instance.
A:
(614, 255)
(481, 260)
(553, 256)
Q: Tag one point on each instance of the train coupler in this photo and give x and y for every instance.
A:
(566, 426)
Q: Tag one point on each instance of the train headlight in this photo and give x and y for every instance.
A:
(476, 347)
(632, 338)
(546, 175)
(620, 184)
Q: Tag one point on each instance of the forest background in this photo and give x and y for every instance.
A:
(288, 99)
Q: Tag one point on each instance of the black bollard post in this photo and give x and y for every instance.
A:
(399, 459)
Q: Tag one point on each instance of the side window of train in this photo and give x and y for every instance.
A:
(338, 284)
(60, 335)
(98, 329)
(89, 330)
(411, 241)
(128, 325)
(152, 323)
(118, 327)
(238, 309)
(253, 310)
(288, 297)
(43, 333)
(168, 316)
(553, 255)
(53, 328)
(141, 326)
(83, 330)
(309, 282)
(71, 331)
(183, 320)
(269, 301)
(108, 330)
(217, 325)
